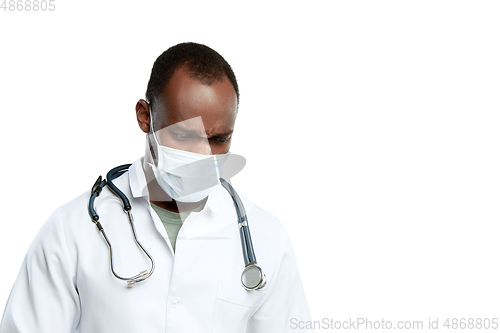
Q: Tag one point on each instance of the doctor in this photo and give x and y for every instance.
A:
(189, 228)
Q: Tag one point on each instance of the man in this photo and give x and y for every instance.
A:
(183, 219)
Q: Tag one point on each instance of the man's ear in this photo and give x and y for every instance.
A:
(142, 114)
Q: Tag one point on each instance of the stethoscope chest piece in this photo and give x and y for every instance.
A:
(253, 278)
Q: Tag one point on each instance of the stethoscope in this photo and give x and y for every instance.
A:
(252, 277)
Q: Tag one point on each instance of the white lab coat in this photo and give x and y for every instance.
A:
(65, 283)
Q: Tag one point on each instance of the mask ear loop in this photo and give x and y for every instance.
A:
(152, 127)
(150, 144)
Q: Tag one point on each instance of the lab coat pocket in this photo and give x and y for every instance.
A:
(233, 308)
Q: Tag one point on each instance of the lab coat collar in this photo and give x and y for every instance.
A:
(139, 189)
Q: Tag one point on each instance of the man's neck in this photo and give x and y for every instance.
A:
(177, 207)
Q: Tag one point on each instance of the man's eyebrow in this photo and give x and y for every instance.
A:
(222, 134)
(196, 132)
(183, 129)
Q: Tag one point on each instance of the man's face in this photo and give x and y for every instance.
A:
(189, 115)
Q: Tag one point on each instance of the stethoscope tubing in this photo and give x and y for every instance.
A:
(244, 230)
(115, 173)
(246, 239)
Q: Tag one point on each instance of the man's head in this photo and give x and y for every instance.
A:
(200, 61)
(191, 81)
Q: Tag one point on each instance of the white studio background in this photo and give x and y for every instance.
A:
(370, 129)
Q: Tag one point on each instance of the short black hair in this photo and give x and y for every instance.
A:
(202, 63)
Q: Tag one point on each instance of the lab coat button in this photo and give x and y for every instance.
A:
(175, 302)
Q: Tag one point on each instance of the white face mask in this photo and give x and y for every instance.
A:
(187, 176)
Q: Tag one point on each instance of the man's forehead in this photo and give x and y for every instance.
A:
(196, 126)
(191, 105)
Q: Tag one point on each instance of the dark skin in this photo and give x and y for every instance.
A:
(182, 100)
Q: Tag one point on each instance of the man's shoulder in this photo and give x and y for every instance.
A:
(66, 215)
(75, 213)
(263, 222)
(271, 241)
